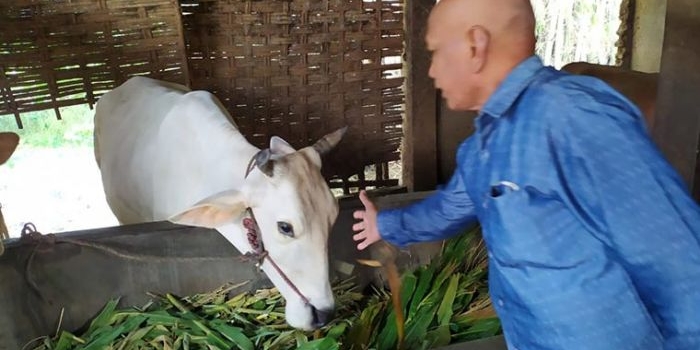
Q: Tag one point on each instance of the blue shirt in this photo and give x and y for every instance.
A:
(593, 238)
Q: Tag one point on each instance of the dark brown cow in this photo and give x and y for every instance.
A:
(638, 87)
(8, 144)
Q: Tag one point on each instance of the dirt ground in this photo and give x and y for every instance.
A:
(56, 189)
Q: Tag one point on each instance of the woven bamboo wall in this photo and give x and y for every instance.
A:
(60, 53)
(299, 69)
(295, 68)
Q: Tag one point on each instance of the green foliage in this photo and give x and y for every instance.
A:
(580, 30)
(208, 321)
(43, 130)
(446, 301)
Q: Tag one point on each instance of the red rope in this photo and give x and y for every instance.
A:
(260, 253)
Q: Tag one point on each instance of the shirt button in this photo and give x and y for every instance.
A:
(500, 302)
(484, 155)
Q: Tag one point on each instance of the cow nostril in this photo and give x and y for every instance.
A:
(321, 317)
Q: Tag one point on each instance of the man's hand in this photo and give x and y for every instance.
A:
(367, 227)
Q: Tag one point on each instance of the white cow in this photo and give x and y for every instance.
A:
(166, 152)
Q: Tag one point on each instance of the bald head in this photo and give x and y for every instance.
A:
(475, 44)
(506, 21)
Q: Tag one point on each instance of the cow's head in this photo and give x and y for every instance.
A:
(295, 211)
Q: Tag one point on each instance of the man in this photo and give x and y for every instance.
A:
(593, 239)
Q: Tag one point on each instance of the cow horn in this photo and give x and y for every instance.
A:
(326, 143)
(264, 162)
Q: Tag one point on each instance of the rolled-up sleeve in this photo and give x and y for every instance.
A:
(439, 216)
(621, 187)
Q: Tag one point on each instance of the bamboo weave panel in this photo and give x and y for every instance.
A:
(299, 69)
(59, 53)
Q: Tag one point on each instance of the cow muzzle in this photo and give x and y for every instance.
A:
(321, 317)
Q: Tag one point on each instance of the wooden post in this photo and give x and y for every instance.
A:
(696, 187)
(623, 58)
(420, 126)
(677, 124)
(182, 45)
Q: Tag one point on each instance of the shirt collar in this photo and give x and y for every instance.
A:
(512, 86)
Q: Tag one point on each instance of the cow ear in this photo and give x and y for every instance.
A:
(278, 146)
(213, 211)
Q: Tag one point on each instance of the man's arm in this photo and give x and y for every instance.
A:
(437, 217)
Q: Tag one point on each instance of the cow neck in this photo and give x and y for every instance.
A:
(254, 236)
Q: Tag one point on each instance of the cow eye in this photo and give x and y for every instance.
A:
(285, 228)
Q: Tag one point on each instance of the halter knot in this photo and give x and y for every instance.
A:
(260, 254)
(252, 234)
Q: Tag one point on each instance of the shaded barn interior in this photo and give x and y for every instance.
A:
(296, 69)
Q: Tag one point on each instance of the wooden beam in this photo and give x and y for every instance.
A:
(420, 125)
(646, 34)
(677, 124)
(626, 34)
(696, 186)
(453, 128)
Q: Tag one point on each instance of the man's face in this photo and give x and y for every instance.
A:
(453, 59)
(450, 66)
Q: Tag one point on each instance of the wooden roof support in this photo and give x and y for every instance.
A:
(419, 156)
(677, 124)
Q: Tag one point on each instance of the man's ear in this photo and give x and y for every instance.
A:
(479, 39)
(213, 211)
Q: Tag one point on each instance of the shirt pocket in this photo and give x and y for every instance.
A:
(527, 226)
